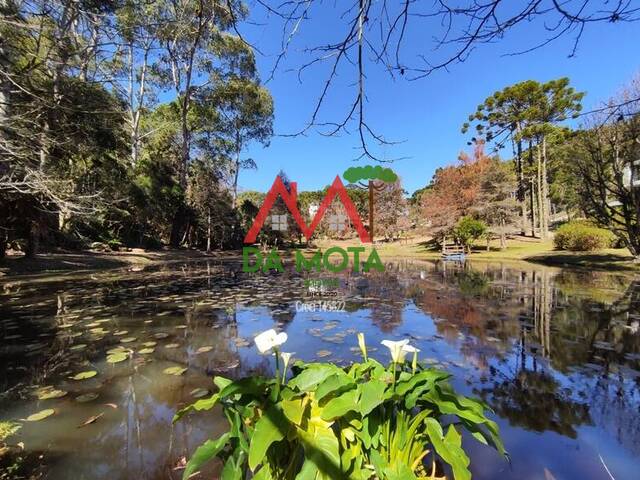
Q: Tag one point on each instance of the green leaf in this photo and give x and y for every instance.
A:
(272, 427)
(204, 453)
(36, 417)
(338, 406)
(448, 449)
(117, 357)
(177, 371)
(398, 471)
(322, 449)
(221, 382)
(204, 404)
(312, 376)
(251, 386)
(84, 375)
(49, 394)
(293, 409)
(371, 395)
(336, 382)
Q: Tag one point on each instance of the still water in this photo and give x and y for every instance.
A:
(556, 353)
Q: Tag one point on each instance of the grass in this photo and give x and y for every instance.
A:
(518, 249)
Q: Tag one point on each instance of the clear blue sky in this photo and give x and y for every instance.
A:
(426, 114)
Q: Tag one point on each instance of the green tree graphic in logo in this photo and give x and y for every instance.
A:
(356, 175)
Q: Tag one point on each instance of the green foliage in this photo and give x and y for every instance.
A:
(8, 429)
(369, 172)
(582, 236)
(365, 421)
(468, 230)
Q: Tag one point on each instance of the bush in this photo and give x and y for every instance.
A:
(468, 229)
(582, 236)
(365, 421)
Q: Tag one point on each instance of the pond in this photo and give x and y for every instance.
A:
(556, 353)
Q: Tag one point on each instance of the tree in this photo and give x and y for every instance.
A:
(605, 157)
(245, 108)
(527, 112)
(454, 191)
(497, 204)
(468, 230)
(377, 177)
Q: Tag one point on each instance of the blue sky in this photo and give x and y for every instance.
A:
(426, 114)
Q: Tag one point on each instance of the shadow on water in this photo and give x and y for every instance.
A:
(555, 353)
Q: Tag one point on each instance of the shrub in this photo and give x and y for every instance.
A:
(365, 421)
(469, 229)
(582, 236)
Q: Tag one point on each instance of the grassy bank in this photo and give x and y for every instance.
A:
(518, 249)
(60, 262)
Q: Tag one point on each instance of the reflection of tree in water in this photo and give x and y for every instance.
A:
(533, 400)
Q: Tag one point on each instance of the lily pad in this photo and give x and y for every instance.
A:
(146, 351)
(84, 375)
(77, 348)
(177, 371)
(323, 353)
(36, 417)
(161, 335)
(206, 349)
(51, 394)
(120, 333)
(149, 344)
(117, 357)
(128, 340)
(199, 392)
(87, 397)
(172, 345)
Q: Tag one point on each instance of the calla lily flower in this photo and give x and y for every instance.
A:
(396, 349)
(399, 349)
(363, 345)
(269, 340)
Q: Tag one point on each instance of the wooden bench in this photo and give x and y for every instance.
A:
(452, 250)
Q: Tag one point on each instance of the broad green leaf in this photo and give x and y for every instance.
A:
(251, 385)
(204, 453)
(321, 447)
(84, 375)
(398, 471)
(339, 406)
(450, 452)
(336, 382)
(177, 371)
(221, 382)
(117, 357)
(312, 376)
(87, 397)
(36, 417)
(204, 404)
(293, 409)
(371, 395)
(272, 427)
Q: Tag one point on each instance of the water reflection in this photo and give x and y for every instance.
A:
(555, 353)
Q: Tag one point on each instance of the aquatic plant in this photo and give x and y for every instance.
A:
(364, 421)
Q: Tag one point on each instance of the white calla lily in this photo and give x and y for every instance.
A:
(269, 340)
(396, 349)
(363, 345)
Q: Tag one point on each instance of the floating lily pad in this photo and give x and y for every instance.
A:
(128, 340)
(172, 345)
(149, 344)
(87, 397)
(36, 417)
(77, 348)
(177, 371)
(206, 349)
(84, 375)
(161, 335)
(120, 333)
(50, 394)
(117, 357)
(116, 350)
(199, 392)
(146, 351)
(323, 353)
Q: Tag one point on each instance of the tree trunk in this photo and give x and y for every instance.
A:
(33, 240)
(532, 197)
(545, 191)
(503, 237)
(520, 195)
(543, 233)
(371, 209)
(208, 229)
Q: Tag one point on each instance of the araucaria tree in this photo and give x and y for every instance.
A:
(523, 115)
